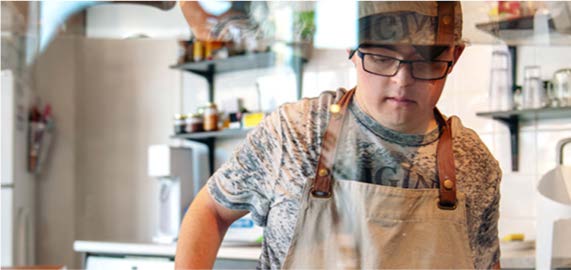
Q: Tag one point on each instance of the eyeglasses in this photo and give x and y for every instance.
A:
(387, 66)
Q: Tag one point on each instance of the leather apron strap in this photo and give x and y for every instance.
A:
(446, 167)
(321, 186)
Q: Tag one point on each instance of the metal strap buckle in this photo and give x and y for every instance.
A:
(447, 205)
(321, 194)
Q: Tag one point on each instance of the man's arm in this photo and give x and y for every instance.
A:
(202, 231)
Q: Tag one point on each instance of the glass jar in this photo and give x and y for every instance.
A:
(194, 123)
(179, 123)
(210, 117)
(561, 85)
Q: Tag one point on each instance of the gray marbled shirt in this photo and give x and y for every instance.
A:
(267, 173)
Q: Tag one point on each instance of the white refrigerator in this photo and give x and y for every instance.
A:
(18, 186)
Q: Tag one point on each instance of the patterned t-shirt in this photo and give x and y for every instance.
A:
(267, 173)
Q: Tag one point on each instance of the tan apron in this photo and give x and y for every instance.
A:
(349, 224)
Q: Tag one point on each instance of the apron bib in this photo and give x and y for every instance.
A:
(349, 224)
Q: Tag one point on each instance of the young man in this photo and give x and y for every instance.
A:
(373, 177)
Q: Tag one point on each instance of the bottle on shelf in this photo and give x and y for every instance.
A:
(211, 117)
(179, 123)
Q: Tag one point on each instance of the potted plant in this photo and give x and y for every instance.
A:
(304, 26)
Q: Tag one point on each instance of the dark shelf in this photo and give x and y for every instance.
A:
(234, 63)
(519, 31)
(226, 133)
(514, 117)
(530, 114)
(521, 23)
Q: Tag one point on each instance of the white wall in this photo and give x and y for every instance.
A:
(120, 21)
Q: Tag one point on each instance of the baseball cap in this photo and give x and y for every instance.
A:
(418, 23)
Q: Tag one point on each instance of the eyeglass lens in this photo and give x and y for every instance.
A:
(388, 66)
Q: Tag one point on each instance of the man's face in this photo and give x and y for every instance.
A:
(400, 102)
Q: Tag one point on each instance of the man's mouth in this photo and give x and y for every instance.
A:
(400, 100)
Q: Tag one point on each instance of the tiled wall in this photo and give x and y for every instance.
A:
(466, 93)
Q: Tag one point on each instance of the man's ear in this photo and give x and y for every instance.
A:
(351, 55)
(458, 49)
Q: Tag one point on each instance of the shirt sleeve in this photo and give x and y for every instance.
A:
(488, 232)
(246, 180)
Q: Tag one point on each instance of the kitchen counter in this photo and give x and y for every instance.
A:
(518, 259)
(511, 259)
(110, 255)
(161, 250)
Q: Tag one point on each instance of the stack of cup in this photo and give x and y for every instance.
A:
(501, 95)
(533, 92)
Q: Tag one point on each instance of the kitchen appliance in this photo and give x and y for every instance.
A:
(554, 213)
(18, 186)
(561, 87)
(174, 169)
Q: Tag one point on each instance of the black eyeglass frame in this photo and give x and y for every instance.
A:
(401, 61)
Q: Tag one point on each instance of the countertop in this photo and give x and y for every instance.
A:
(226, 251)
(509, 259)
(526, 259)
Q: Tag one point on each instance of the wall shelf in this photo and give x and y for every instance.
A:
(208, 69)
(234, 63)
(519, 31)
(520, 23)
(513, 118)
(226, 133)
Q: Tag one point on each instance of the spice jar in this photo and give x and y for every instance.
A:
(194, 123)
(210, 117)
(197, 52)
(208, 50)
(179, 123)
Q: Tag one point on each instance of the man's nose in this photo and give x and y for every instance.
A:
(404, 74)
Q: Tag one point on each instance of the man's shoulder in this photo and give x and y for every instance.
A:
(312, 113)
(470, 150)
(318, 104)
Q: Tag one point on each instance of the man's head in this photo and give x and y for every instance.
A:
(406, 50)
